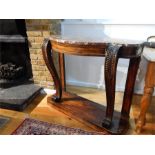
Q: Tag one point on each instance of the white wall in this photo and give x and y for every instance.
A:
(89, 71)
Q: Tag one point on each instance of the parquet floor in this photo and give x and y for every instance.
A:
(39, 109)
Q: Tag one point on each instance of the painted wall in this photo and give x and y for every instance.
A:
(89, 71)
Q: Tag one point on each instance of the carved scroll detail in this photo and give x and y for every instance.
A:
(47, 55)
(111, 60)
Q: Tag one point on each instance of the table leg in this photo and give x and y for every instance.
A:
(129, 87)
(47, 55)
(145, 102)
(62, 70)
(146, 99)
(111, 60)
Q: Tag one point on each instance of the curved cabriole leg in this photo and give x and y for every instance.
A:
(47, 55)
(111, 61)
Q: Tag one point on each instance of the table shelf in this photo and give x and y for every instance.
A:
(89, 113)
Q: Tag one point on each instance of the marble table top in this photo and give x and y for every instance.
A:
(85, 41)
(148, 52)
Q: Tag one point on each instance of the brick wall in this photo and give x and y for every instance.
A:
(37, 30)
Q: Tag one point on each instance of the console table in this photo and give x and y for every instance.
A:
(93, 114)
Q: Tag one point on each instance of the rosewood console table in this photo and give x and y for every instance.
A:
(91, 113)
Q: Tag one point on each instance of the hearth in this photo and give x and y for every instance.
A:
(15, 66)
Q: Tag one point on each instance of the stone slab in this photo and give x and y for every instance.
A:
(18, 97)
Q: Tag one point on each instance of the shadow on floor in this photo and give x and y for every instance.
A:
(34, 103)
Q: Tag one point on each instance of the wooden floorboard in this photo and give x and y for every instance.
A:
(39, 109)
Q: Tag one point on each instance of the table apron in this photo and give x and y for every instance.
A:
(125, 52)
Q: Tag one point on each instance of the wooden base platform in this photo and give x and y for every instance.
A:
(89, 112)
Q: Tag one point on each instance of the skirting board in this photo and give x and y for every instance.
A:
(90, 85)
(94, 85)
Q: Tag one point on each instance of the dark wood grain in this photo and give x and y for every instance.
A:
(62, 70)
(89, 113)
(129, 88)
(111, 60)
